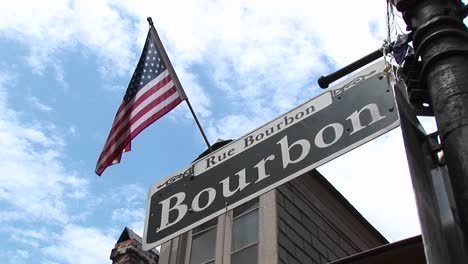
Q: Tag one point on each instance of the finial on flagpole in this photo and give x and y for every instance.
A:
(150, 21)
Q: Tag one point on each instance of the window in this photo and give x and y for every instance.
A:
(244, 243)
(204, 243)
(231, 238)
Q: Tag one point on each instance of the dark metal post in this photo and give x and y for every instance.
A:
(442, 235)
(441, 41)
(325, 81)
(170, 68)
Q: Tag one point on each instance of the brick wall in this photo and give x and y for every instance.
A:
(128, 250)
(305, 234)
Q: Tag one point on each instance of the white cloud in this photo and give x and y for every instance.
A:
(132, 218)
(17, 256)
(38, 190)
(60, 75)
(22, 254)
(233, 126)
(102, 27)
(37, 104)
(256, 52)
(72, 130)
(60, 25)
(130, 194)
(29, 237)
(77, 244)
(199, 100)
(127, 215)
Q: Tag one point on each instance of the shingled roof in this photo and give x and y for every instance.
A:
(128, 233)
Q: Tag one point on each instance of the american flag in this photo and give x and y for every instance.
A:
(152, 93)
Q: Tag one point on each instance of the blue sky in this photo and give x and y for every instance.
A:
(63, 71)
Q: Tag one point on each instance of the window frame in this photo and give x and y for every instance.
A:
(201, 232)
(246, 212)
(188, 247)
(178, 250)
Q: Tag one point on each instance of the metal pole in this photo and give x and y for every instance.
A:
(441, 41)
(170, 68)
(198, 124)
(325, 81)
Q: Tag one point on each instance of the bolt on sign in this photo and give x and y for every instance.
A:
(352, 113)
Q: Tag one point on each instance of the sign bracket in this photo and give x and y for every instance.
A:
(441, 231)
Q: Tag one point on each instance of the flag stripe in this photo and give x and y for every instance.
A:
(125, 140)
(125, 107)
(131, 117)
(143, 91)
(151, 94)
(150, 99)
(157, 109)
(125, 133)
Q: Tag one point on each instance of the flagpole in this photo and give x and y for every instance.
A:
(198, 124)
(177, 83)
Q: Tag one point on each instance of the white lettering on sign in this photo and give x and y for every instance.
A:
(356, 117)
(166, 208)
(302, 146)
(242, 184)
(222, 155)
(337, 131)
(279, 124)
(285, 149)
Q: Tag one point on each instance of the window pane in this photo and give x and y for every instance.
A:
(204, 226)
(245, 256)
(244, 230)
(203, 247)
(245, 207)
